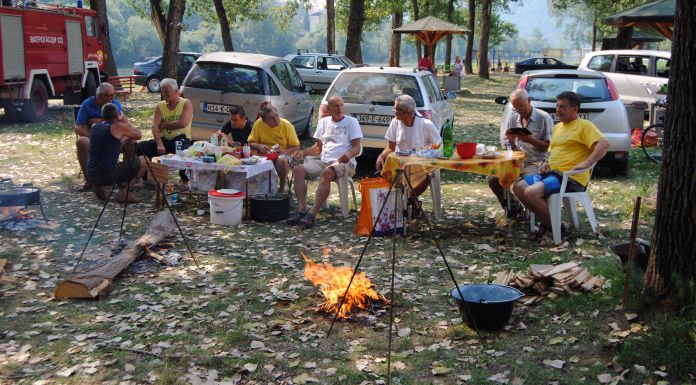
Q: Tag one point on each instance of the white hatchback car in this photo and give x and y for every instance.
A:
(631, 71)
(600, 104)
(220, 80)
(369, 93)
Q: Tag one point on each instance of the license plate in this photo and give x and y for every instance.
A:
(376, 120)
(581, 115)
(216, 108)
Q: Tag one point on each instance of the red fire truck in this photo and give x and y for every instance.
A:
(48, 51)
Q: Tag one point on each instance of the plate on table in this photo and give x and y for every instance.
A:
(230, 191)
(489, 155)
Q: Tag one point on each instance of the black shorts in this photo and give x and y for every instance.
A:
(124, 172)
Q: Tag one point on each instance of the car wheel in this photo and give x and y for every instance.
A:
(36, 107)
(90, 87)
(153, 84)
(307, 132)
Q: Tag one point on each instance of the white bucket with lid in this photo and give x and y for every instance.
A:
(226, 206)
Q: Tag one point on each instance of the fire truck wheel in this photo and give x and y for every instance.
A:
(90, 87)
(36, 108)
(153, 84)
(11, 112)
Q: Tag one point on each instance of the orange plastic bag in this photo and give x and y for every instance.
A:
(374, 193)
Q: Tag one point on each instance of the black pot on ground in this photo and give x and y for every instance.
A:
(640, 256)
(486, 307)
(272, 207)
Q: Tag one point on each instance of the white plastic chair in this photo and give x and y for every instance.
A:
(342, 183)
(569, 200)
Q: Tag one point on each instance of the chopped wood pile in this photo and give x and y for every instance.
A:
(542, 281)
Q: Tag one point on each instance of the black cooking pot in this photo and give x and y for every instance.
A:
(640, 256)
(486, 307)
(271, 207)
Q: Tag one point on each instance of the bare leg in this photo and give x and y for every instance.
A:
(300, 177)
(327, 176)
(82, 146)
(533, 198)
(124, 190)
(282, 167)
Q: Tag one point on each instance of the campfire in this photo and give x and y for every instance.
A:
(333, 282)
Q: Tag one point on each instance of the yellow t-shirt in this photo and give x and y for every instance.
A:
(571, 144)
(172, 115)
(284, 135)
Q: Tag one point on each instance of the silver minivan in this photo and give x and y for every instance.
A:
(369, 93)
(221, 80)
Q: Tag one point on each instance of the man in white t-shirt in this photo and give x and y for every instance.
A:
(409, 131)
(338, 142)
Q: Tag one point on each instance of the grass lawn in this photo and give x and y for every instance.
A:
(244, 314)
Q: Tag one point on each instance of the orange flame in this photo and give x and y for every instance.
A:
(333, 282)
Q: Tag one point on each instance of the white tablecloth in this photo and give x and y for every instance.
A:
(252, 179)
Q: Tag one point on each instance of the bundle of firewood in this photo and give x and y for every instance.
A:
(542, 281)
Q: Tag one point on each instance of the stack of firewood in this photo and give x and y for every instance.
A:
(542, 281)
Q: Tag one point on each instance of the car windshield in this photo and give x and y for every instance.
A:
(546, 89)
(375, 88)
(347, 61)
(225, 77)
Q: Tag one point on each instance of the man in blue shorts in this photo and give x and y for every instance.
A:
(575, 144)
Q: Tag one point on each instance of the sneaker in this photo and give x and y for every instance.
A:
(87, 186)
(308, 221)
(296, 219)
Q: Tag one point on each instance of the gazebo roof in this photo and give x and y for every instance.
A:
(430, 24)
(658, 15)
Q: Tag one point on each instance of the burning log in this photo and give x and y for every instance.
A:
(97, 282)
(333, 282)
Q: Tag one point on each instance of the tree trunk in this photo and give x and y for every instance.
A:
(483, 42)
(395, 43)
(674, 233)
(170, 54)
(468, 58)
(356, 20)
(224, 26)
(97, 282)
(448, 47)
(330, 26)
(416, 16)
(99, 6)
(594, 29)
(623, 38)
(158, 19)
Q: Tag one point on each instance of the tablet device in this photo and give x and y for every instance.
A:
(520, 131)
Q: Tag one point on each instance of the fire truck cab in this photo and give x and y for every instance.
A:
(48, 52)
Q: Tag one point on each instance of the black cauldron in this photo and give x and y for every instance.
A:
(486, 307)
(271, 207)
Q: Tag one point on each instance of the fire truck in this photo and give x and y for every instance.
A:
(48, 52)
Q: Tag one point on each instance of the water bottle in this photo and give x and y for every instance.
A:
(223, 141)
(447, 140)
(508, 151)
(179, 148)
(214, 139)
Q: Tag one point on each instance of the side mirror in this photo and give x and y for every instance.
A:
(308, 88)
(502, 100)
(451, 95)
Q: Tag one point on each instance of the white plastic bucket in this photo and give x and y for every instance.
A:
(226, 209)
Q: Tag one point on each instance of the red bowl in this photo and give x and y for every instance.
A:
(466, 150)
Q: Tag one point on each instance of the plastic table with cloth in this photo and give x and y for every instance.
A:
(257, 178)
(507, 169)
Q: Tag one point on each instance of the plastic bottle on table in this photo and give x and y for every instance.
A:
(508, 151)
(223, 141)
(447, 140)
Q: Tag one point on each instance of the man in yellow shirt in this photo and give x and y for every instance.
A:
(171, 123)
(269, 131)
(575, 144)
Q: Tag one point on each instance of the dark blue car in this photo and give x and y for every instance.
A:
(542, 63)
(148, 73)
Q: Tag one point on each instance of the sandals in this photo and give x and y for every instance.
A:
(537, 235)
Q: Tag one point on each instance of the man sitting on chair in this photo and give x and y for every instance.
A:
(103, 167)
(89, 114)
(540, 124)
(575, 144)
(409, 131)
(269, 131)
(338, 142)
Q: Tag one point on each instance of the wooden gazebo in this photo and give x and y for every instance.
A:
(658, 16)
(429, 30)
